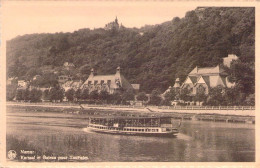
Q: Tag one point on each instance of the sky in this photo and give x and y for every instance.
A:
(27, 17)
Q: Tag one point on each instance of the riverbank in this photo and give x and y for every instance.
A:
(62, 132)
(217, 115)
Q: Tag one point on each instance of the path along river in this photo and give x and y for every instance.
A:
(65, 134)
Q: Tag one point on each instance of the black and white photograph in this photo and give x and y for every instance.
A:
(128, 81)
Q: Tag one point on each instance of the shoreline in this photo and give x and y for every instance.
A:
(93, 110)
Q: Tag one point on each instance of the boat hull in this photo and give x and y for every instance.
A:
(120, 132)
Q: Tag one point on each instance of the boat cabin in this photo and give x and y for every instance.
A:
(133, 122)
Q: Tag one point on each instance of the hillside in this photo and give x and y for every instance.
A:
(153, 56)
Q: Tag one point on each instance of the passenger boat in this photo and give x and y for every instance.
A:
(143, 126)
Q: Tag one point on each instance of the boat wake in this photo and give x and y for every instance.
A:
(184, 137)
(87, 130)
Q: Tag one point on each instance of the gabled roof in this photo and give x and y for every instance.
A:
(115, 80)
(212, 81)
(207, 71)
(67, 84)
(76, 84)
(203, 80)
(193, 79)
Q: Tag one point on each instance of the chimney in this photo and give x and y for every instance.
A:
(118, 70)
(91, 73)
(177, 83)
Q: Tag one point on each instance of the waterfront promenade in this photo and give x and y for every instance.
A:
(221, 110)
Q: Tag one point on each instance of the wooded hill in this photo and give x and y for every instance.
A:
(153, 56)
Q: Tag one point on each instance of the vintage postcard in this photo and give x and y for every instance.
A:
(129, 84)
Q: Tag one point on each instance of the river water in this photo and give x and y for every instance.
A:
(198, 141)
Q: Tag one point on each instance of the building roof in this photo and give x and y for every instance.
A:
(212, 81)
(207, 71)
(68, 64)
(136, 86)
(116, 80)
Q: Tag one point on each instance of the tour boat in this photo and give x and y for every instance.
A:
(143, 126)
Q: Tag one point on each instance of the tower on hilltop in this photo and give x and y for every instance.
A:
(112, 25)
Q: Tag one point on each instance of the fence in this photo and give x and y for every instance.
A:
(143, 107)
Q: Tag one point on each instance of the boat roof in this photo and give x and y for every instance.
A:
(129, 117)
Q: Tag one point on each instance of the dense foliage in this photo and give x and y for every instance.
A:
(153, 56)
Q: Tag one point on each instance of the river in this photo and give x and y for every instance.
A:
(65, 134)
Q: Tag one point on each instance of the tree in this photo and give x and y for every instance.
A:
(56, 94)
(250, 100)
(85, 94)
(155, 98)
(233, 96)
(70, 94)
(78, 94)
(171, 95)
(103, 95)
(26, 95)
(141, 96)
(94, 95)
(60, 94)
(185, 94)
(19, 94)
(116, 98)
(10, 92)
(46, 94)
(243, 74)
(35, 95)
(128, 95)
(215, 97)
(200, 94)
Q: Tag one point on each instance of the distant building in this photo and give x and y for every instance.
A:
(36, 77)
(75, 85)
(67, 85)
(227, 60)
(68, 65)
(11, 81)
(136, 87)
(64, 78)
(109, 83)
(206, 78)
(112, 25)
(176, 86)
(22, 84)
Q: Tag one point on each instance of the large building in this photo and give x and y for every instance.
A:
(227, 60)
(75, 85)
(206, 78)
(109, 83)
(112, 25)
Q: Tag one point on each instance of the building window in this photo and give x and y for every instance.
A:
(89, 82)
(95, 82)
(108, 82)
